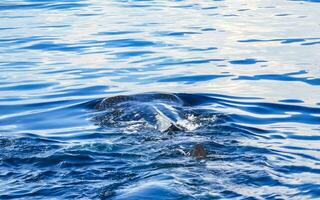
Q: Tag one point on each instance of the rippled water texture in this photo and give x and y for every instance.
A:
(107, 99)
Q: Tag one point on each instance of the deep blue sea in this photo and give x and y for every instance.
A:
(107, 99)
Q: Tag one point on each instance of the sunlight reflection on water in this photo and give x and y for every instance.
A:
(255, 64)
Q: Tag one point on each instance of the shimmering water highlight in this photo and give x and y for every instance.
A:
(108, 99)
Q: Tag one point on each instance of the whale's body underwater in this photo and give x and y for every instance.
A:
(159, 111)
(156, 112)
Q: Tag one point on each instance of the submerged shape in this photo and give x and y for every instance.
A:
(160, 111)
(148, 97)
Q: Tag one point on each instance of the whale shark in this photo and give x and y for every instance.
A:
(161, 112)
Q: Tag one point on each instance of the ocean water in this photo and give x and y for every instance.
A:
(90, 90)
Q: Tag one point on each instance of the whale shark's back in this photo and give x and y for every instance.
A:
(139, 98)
(158, 111)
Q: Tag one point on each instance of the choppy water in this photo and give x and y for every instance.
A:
(240, 77)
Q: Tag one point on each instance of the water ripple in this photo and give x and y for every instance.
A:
(111, 99)
(43, 5)
(283, 77)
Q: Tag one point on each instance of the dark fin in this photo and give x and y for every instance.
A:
(198, 151)
(173, 128)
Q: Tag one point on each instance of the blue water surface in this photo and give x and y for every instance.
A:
(242, 78)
